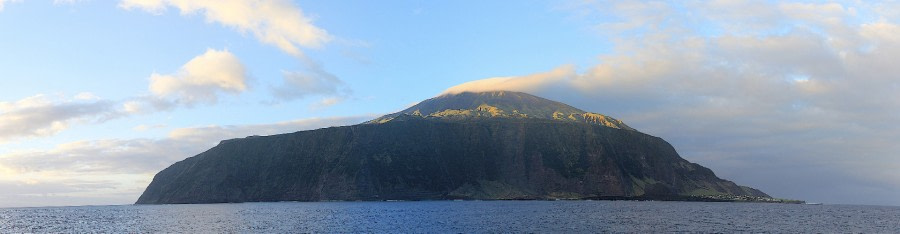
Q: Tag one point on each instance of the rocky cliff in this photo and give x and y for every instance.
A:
(496, 145)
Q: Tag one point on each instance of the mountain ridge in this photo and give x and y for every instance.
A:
(499, 104)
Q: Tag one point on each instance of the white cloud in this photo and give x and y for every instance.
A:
(796, 99)
(528, 83)
(43, 115)
(67, 2)
(145, 127)
(133, 107)
(152, 6)
(276, 22)
(3, 2)
(201, 79)
(328, 101)
(86, 96)
(117, 170)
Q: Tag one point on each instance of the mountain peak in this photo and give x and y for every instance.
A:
(499, 104)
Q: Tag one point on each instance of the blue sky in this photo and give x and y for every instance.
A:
(794, 98)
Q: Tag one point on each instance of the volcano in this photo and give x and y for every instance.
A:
(484, 145)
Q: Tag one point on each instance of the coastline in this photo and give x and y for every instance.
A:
(734, 199)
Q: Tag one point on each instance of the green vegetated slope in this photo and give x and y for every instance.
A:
(502, 105)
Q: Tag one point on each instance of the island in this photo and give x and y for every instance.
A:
(498, 145)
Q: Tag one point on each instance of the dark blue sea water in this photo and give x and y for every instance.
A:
(457, 216)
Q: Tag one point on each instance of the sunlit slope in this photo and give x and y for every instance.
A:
(502, 105)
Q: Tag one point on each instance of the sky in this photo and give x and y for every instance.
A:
(799, 99)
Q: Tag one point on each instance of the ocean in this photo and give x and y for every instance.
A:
(456, 217)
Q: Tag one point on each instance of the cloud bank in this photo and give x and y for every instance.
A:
(118, 170)
(797, 99)
(201, 80)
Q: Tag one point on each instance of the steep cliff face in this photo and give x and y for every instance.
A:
(414, 156)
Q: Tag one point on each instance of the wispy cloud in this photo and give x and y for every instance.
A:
(4, 2)
(202, 79)
(314, 81)
(145, 127)
(776, 98)
(300, 84)
(67, 2)
(44, 115)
